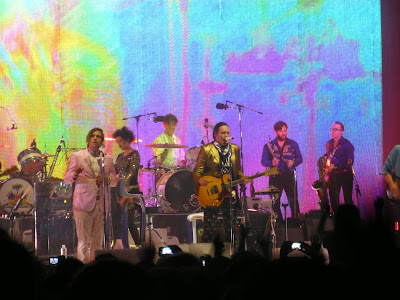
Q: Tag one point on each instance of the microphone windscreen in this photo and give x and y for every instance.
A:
(159, 119)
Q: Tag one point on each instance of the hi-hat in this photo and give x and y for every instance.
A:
(166, 146)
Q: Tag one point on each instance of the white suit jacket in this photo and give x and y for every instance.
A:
(84, 197)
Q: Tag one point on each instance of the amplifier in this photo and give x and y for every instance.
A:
(57, 204)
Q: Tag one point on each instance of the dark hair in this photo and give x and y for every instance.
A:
(279, 125)
(170, 118)
(217, 127)
(125, 134)
(340, 124)
(89, 135)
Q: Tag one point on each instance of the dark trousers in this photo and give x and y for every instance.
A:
(285, 182)
(217, 222)
(121, 220)
(338, 181)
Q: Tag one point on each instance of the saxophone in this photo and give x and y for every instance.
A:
(320, 185)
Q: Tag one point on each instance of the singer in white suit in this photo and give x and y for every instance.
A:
(84, 168)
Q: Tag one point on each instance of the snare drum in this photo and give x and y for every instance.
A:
(31, 161)
(12, 190)
(176, 192)
(191, 156)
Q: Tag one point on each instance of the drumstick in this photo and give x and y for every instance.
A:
(20, 199)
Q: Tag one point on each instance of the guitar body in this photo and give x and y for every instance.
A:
(214, 193)
(218, 188)
(125, 196)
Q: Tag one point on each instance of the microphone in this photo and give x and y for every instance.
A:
(205, 123)
(12, 128)
(12, 119)
(229, 138)
(223, 106)
(33, 144)
(159, 119)
(102, 150)
(59, 145)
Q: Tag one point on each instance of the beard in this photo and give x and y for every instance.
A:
(280, 138)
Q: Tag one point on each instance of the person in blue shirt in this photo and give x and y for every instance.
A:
(286, 156)
(340, 158)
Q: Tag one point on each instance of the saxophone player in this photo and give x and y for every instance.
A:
(127, 166)
(340, 158)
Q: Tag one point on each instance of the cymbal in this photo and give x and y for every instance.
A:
(166, 146)
(267, 191)
(46, 155)
(5, 146)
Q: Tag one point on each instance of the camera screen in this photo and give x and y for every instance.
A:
(53, 260)
(296, 246)
(165, 251)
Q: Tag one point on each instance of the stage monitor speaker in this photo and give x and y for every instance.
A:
(294, 234)
(312, 223)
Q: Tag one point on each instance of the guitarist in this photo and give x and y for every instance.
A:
(286, 156)
(391, 172)
(127, 166)
(213, 160)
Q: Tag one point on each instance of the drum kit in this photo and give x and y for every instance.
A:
(16, 190)
(172, 189)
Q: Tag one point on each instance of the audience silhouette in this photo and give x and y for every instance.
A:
(363, 260)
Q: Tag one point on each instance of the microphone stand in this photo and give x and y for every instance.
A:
(137, 118)
(12, 119)
(107, 226)
(357, 187)
(242, 187)
(231, 215)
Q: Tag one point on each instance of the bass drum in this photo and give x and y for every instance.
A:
(12, 190)
(176, 192)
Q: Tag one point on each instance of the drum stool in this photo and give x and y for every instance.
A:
(193, 218)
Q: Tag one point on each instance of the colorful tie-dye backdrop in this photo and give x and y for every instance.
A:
(69, 65)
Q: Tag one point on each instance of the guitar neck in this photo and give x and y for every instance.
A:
(240, 181)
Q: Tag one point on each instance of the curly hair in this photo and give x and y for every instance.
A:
(125, 134)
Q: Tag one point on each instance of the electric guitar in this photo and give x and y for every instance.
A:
(389, 194)
(219, 188)
(123, 190)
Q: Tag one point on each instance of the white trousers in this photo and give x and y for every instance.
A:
(90, 232)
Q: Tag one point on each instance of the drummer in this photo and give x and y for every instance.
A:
(169, 158)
